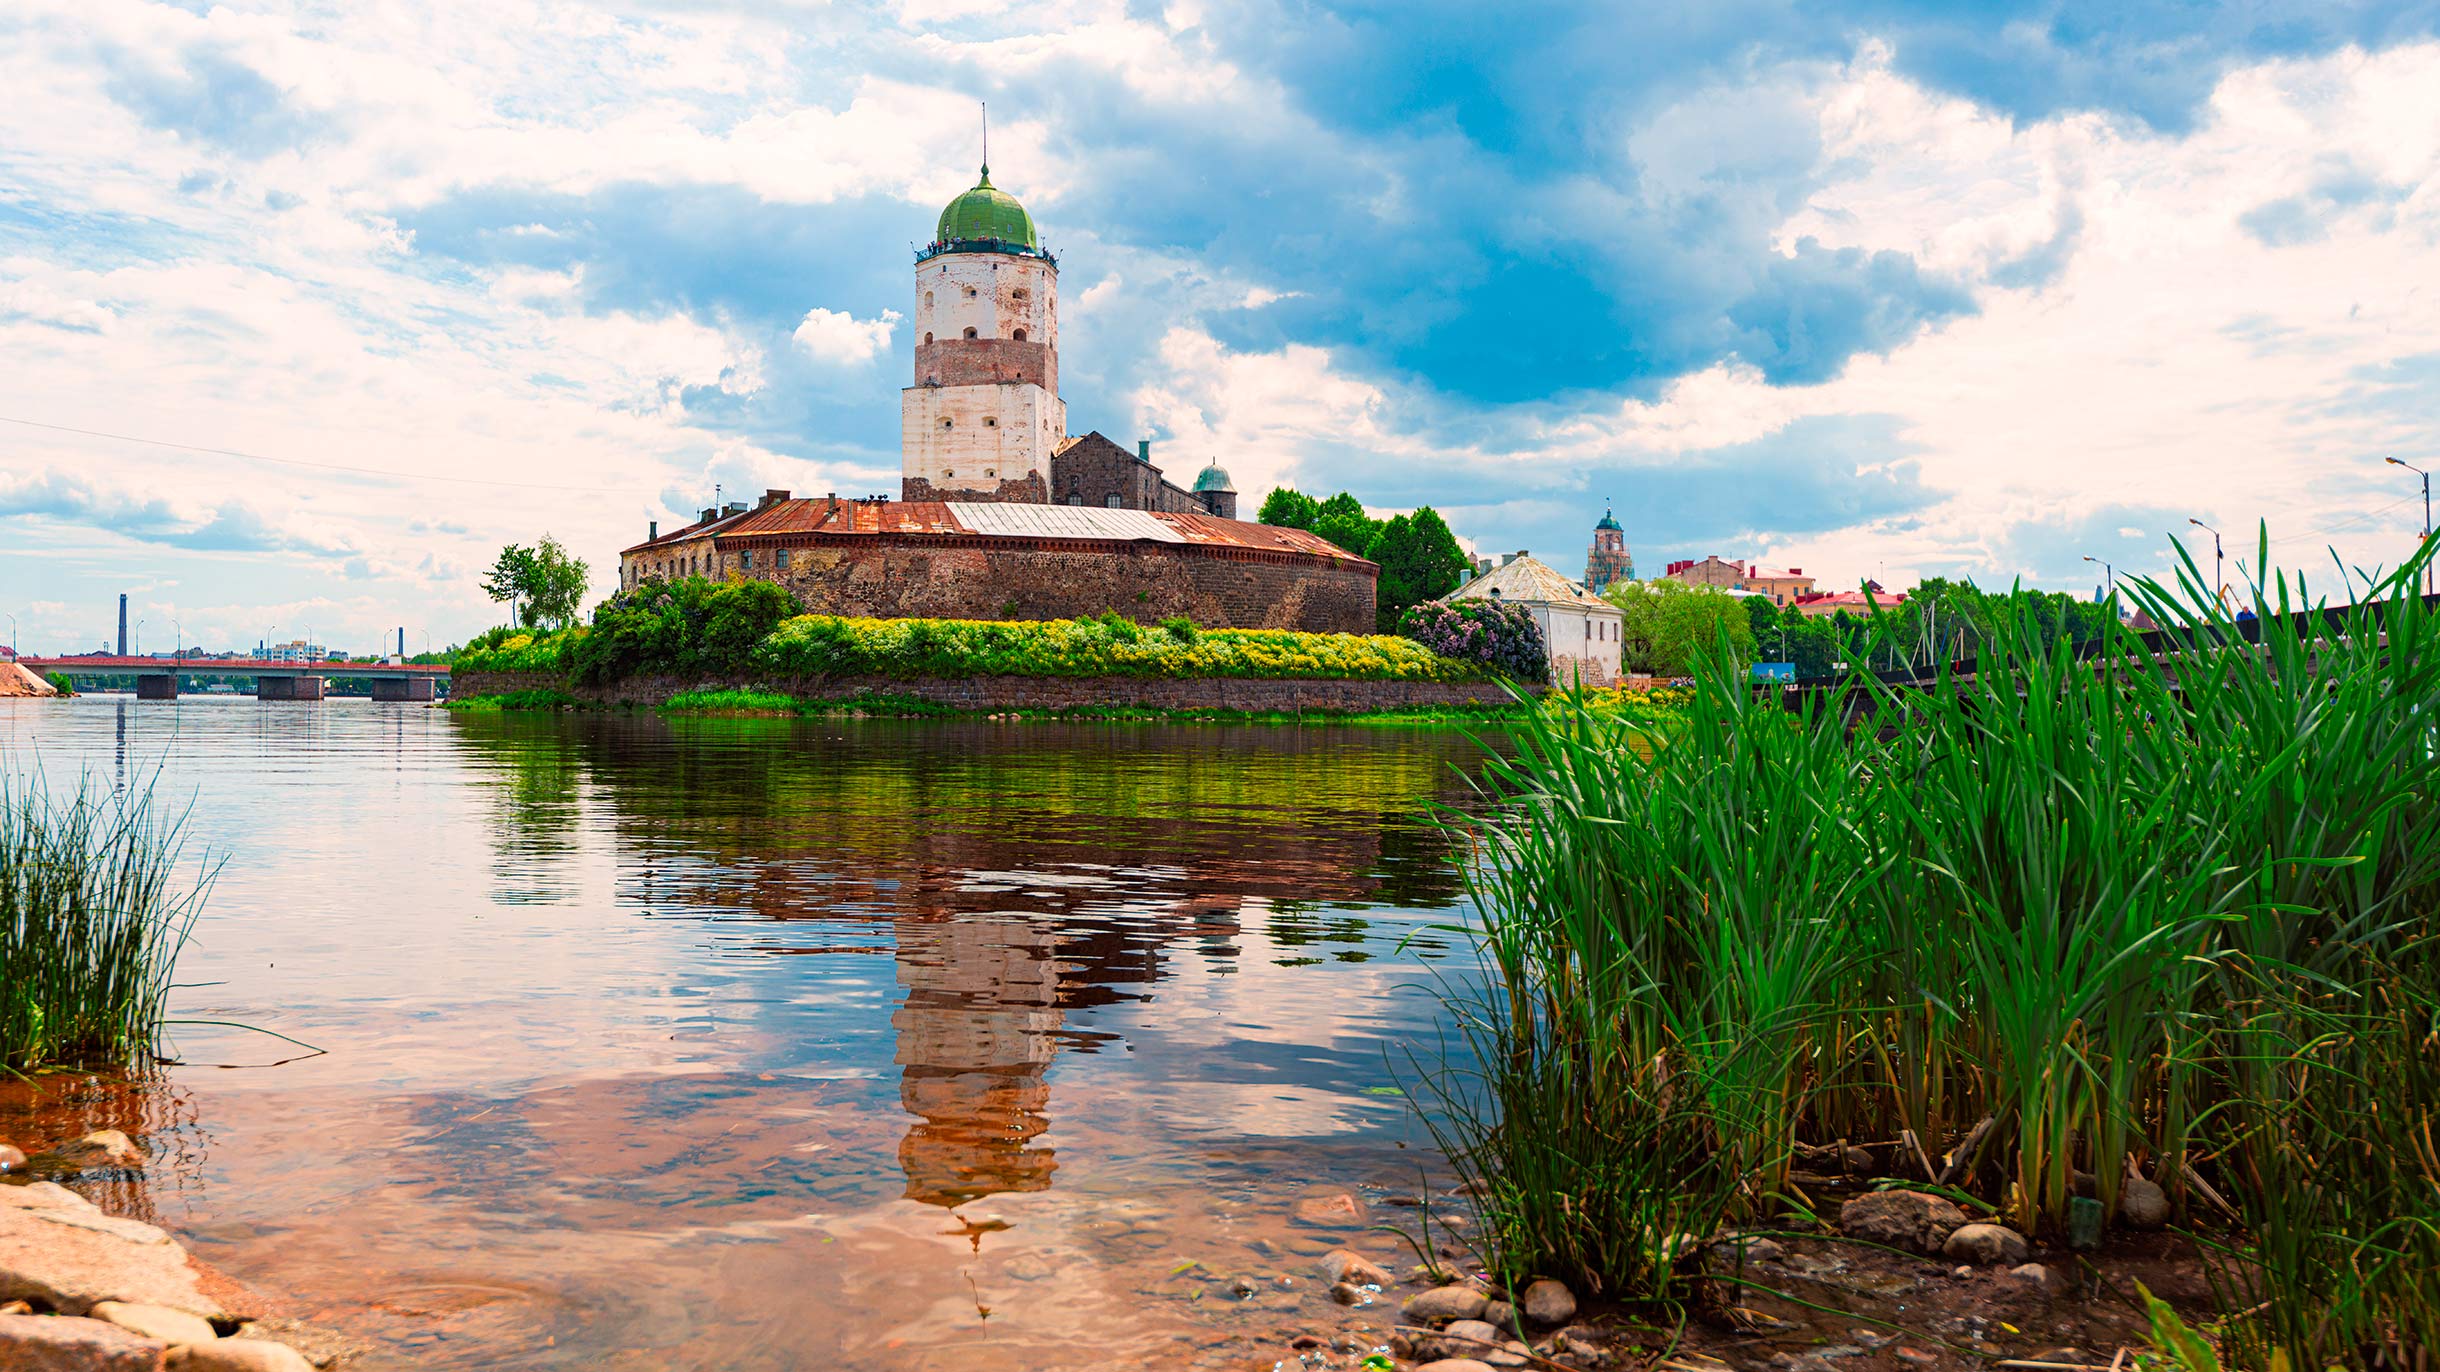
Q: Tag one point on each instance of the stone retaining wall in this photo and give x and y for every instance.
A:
(989, 693)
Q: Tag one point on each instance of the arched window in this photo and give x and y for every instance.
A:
(970, 292)
(948, 423)
(927, 300)
(1017, 294)
(1112, 502)
(1019, 335)
(969, 331)
(991, 421)
(990, 472)
(927, 338)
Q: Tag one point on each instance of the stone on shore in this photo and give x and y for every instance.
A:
(1986, 1245)
(239, 1355)
(2142, 1204)
(2039, 1278)
(1549, 1302)
(1330, 1210)
(1912, 1220)
(49, 1257)
(100, 1149)
(55, 1343)
(44, 1195)
(1442, 1304)
(1340, 1265)
(156, 1322)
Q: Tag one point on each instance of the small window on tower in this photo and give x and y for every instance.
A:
(927, 338)
(927, 300)
(948, 423)
(991, 421)
(1017, 294)
(970, 332)
(1019, 335)
(970, 292)
(989, 472)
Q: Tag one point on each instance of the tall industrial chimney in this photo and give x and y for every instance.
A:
(402, 640)
(122, 624)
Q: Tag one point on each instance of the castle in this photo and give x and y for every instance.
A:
(1003, 514)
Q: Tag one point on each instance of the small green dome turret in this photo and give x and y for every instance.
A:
(1609, 522)
(987, 214)
(1211, 478)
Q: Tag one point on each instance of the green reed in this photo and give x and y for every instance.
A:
(95, 903)
(2104, 907)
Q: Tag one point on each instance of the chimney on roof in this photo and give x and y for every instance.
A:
(652, 530)
(734, 507)
(774, 497)
(1143, 449)
(710, 513)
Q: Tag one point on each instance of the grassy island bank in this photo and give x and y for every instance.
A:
(2076, 946)
(698, 646)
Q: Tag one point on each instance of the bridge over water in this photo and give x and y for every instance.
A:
(157, 678)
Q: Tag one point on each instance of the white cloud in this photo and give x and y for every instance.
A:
(839, 338)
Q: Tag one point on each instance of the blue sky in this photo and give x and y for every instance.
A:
(1875, 289)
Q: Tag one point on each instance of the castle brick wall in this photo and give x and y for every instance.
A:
(986, 361)
(989, 693)
(1001, 578)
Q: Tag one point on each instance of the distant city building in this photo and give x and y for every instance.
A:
(1608, 563)
(1783, 587)
(1580, 628)
(295, 650)
(1856, 603)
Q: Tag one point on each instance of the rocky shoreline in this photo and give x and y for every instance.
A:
(86, 1291)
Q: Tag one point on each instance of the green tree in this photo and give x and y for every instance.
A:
(557, 592)
(511, 574)
(1420, 561)
(1762, 617)
(544, 584)
(1288, 508)
(1669, 626)
(1342, 520)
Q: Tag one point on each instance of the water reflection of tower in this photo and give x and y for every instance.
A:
(988, 992)
(975, 1035)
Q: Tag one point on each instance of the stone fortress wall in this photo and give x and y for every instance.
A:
(889, 577)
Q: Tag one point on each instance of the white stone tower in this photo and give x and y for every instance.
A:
(984, 415)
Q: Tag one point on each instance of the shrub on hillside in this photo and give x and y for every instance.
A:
(690, 627)
(1501, 637)
(1112, 645)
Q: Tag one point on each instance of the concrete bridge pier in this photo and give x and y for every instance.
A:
(402, 688)
(161, 687)
(288, 688)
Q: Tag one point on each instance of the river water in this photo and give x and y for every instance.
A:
(751, 1044)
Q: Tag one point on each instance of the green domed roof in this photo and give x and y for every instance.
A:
(1211, 478)
(1609, 522)
(986, 213)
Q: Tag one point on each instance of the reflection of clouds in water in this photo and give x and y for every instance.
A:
(1240, 1110)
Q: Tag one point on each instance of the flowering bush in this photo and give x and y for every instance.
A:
(835, 646)
(1112, 645)
(1501, 637)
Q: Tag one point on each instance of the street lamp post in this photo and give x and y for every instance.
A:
(2217, 561)
(139, 638)
(2427, 514)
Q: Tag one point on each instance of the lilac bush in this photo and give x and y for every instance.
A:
(1502, 637)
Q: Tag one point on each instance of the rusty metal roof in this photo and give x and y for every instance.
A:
(996, 519)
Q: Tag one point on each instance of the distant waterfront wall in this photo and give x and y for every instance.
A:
(1252, 695)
